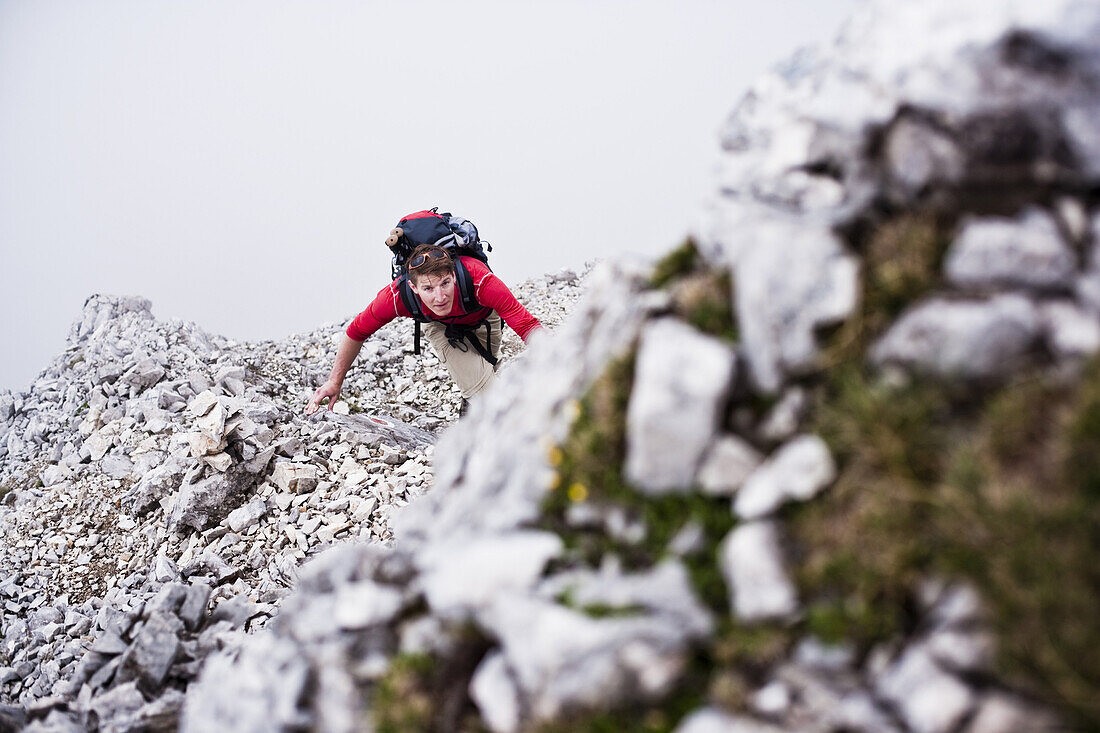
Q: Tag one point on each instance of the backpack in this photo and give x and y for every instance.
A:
(459, 237)
(453, 233)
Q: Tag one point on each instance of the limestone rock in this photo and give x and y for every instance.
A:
(962, 339)
(494, 691)
(1071, 331)
(465, 573)
(797, 471)
(681, 380)
(608, 660)
(726, 465)
(664, 591)
(244, 517)
(152, 654)
(210, 500)
(364, 603)
(216, 703)
(752, 564)
(791, 279)
(1002, 713)
(929, 699)
(1026, 252)
(295, 477)
(712, 720)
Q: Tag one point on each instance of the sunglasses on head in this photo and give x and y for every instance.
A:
(432, 254)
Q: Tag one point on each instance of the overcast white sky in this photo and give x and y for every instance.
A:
(239, 162)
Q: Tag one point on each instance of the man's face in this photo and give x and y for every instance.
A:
(437, 292)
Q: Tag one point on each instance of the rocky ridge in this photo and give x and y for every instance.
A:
(812, 472)
(161, 487)
(829, 467)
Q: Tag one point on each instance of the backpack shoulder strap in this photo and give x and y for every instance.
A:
(465, 282)
(408, 297)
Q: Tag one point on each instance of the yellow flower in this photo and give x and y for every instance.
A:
(578, 492)
(554, 455)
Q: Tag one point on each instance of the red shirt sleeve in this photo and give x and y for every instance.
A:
(491, 292)
(384, 308)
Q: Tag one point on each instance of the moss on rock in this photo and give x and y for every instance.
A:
(902, 261)
(592, 457)
(675, 264)
(1000, 490)
(701, 295)
(421, 693)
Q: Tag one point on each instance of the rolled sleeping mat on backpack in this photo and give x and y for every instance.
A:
(395, 237)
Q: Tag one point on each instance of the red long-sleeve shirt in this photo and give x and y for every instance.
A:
(489, 291)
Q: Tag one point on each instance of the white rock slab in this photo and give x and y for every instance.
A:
(752, 564)
(681, 380)
(1027, 251)
(464, 572)
(797, 471)
(929, 699)
(495, 694)
(726, 465)
(365, 603)
(202, 403)
(970, 339)
(712, 720)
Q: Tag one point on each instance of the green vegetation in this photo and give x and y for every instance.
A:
(998, 487)
(598, 610)
(1002, 490)
(705, 301)
(675, 264)
(902, 261)
(590, 469)
(421, 694)
(701, 296)
(402, 700)
(662, 718)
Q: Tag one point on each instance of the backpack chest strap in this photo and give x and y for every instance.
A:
(460, 334)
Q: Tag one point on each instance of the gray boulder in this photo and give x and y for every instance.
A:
(208, 501)
(254, 692)
(713, 720)
(494, 691)
(157, 484)
(151, 654)
(1026, 252)
(389, 430)
(665, 591)
(466, 573)
(969, 339)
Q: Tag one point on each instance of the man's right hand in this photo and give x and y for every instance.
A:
(329, 389)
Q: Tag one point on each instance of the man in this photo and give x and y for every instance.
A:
(468, 343)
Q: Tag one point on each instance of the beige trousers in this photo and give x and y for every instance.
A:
(468, 369)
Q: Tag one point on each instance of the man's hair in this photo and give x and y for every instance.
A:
(433, 264)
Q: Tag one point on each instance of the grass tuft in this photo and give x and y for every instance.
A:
(1000, 491)
(677, 263)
